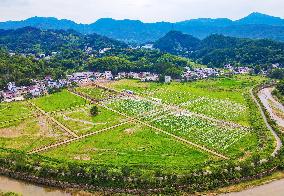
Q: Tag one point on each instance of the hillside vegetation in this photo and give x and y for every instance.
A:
(217, 50)
(33, 40)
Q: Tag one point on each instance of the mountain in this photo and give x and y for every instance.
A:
(33, 40)
(217, 50)
(175, 42)
(258, 18)
(255, 25)
(42, 23)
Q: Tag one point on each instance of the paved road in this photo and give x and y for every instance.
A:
(275, 188)
(278, 140)
(266, 96)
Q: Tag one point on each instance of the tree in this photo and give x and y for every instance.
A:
(277, 74)
(280, 87)
(257, 69)
(94, 111)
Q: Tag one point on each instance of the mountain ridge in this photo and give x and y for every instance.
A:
(255, 25)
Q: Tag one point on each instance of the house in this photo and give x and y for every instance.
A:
(12, 87)
(276, 65)
(147, 46)
(228, 66)
(104, 50)
(54, 53)
(168, 79)
(108, 75)
(35, 92)
(8, 96)
(41, 56)
(242, 70)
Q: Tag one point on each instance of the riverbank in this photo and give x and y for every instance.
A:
(264, 186)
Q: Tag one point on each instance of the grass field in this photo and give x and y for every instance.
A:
(81, 122)
(13, 113)
(132, 145)
(95, 93)
(28, 133)
(59, 101)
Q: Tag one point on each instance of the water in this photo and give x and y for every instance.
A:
(275, 188)
(28, 189)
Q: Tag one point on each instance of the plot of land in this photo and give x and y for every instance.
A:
(212, 134)
(81, 122)
(29, 134)
(132, 144)
(59, 101)
(95, 93)
(13, 113)
(174, 126)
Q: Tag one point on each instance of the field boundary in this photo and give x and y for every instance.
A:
(64, 128)
(45, 148)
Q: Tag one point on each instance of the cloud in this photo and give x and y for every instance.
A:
(87, 11)
(9, 3)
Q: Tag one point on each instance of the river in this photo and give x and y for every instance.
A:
(28, 189)
(275, 188)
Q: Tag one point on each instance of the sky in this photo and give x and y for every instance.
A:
(88, 11)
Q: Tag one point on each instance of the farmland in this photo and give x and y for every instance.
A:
(177, 127)
(23, 129)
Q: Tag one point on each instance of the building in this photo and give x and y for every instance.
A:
(108, 75)
(168, 79)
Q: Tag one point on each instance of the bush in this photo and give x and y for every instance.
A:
(94, 111)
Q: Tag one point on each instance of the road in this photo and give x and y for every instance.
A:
(267, 98)
(275, 188)
(264, 101)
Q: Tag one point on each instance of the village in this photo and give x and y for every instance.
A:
(47, 85)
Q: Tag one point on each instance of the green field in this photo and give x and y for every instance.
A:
(81, 122)
(25, 131)
(95, 93)
(214, 114)
(217, 98)
(13, 113)
(132, 145)
(59, 101)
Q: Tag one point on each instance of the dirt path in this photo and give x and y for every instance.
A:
(264, 101)
(77, 120)
(275, 188)
(54, 120)
(157, 129)
(45, 148)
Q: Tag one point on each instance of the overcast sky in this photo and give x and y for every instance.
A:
(88, 11)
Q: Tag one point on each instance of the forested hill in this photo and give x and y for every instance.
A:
(217, 50)
(33, 40)
(255, 25)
